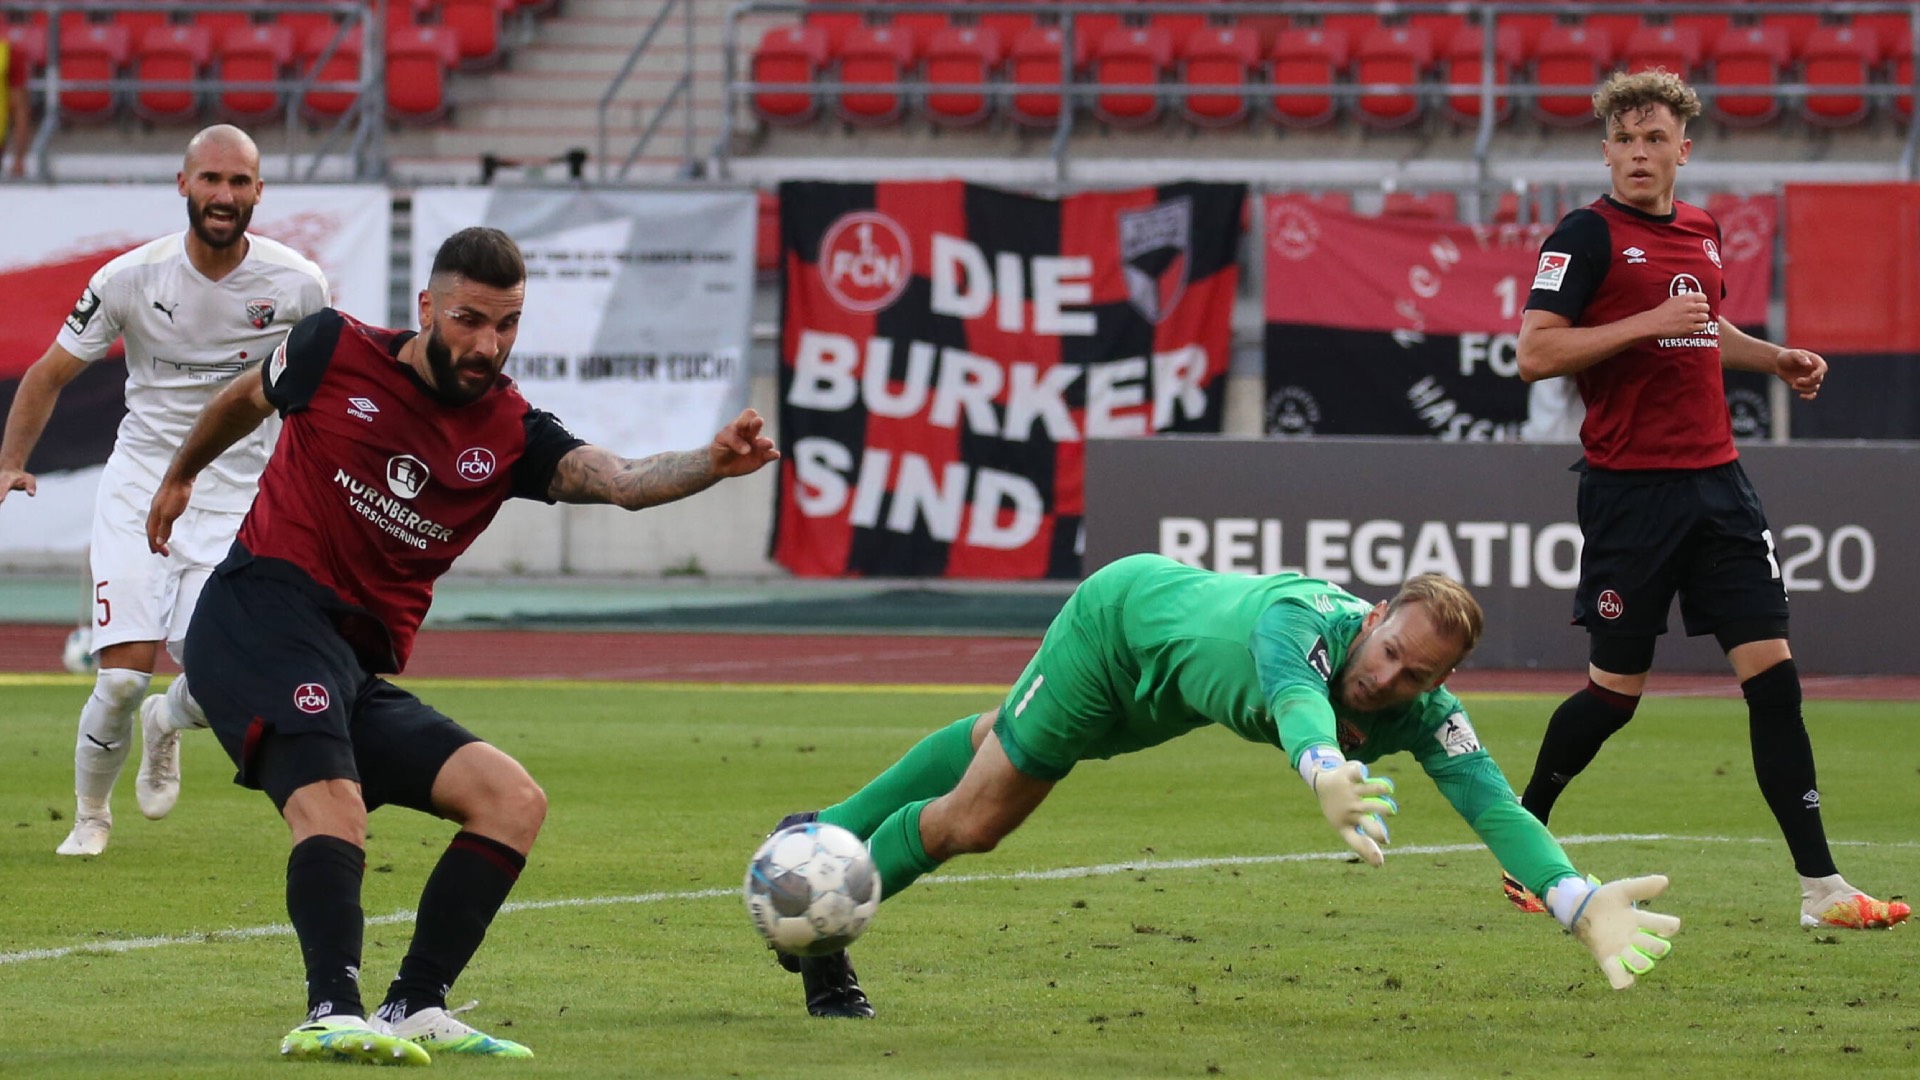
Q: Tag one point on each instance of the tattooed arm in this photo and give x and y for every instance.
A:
(592, 474)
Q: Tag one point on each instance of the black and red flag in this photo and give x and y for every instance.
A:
(1397, 326)
(81, 430)
(947, 348)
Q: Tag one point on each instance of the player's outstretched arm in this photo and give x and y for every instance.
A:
(1354, 805)
(593, 474)
(229, 417)
(1608, 921)
(32, 404)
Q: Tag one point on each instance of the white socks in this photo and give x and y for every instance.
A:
(106, 728)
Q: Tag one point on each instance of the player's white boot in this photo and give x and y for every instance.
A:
(92, 823)
(443, 1032)
(157, 785)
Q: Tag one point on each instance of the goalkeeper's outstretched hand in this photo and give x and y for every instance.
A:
(1626, 940)
(1354, 805)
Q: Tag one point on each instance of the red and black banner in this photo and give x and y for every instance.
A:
(1853, 295)
(87, 414)
(1391, 326)
(947, 348)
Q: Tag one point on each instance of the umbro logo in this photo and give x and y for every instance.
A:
(1635, 255)
(1812, 799)
(361, 407)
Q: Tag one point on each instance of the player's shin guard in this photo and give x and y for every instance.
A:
(1783, 764)
(1574, 736)
(898, 852)
(928, 771)
(462, 896)
(106, 729)
(323, 901)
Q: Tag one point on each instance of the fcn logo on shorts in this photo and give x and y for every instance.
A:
(1610, 606)
(311, 698)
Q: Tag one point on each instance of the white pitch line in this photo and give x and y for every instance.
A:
(214, 937)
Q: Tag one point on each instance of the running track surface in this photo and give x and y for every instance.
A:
(858, 658)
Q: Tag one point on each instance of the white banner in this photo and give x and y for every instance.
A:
(57, 237)
(639, 305)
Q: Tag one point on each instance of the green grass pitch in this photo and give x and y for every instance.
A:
(1209, 929)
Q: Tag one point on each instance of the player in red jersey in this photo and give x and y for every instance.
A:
(1626, 302)
(396, 452)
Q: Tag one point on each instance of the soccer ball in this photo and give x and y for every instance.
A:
(812, 889)
(77, 655)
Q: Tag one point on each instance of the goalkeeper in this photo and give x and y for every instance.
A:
(1148, 649)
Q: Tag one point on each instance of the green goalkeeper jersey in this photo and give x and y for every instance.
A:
(1259, 655)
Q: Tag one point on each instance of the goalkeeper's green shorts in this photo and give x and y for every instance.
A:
(1075, 700)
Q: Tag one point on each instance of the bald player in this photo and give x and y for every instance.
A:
(196, 309)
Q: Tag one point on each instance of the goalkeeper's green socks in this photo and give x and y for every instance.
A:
(928, 771)
(897, 851)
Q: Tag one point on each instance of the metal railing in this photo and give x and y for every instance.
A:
(1075, 90)
(682, 93)
(362, 123)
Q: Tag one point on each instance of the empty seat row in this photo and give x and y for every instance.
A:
(476, 25)
(1440, 26)
(417, 59)
(1220, 69)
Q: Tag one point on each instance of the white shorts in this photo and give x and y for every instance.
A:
(140, 596)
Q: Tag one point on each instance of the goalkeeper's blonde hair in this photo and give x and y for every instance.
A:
(1453, 609)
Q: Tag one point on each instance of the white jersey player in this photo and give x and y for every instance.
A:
(196, 309)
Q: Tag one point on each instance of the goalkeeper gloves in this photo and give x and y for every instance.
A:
(1626, 940)
(1354, 805)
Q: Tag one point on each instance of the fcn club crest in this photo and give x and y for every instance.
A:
(1156, 246)
(260, 312)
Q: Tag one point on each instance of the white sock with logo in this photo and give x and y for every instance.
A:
(106, 729)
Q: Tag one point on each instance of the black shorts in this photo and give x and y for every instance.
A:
(1697, 532)
(292, 705)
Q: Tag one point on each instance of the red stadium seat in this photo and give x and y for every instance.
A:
(219, 22)
(418, 59)
(1675, 48)
(138, 22)
(874, 54)
(92, 52)
(1706, 27)
(1033, 61)
(834, 24)
(170, 54)
(1428, 206)
(1306, 58)
(1617, 25)
(1838, 56)
(258, 53)
(1798, 26)
(1531, 25)
(1130, 56)
(1181, 25)
(476, 23)
(1462, 65)
(790, 54)
(1222, 56)
(1006, 25)
(1507, 210)
(1749, 56)
(919, 26)
(1573, 58)
(959, 55)
(29, 45)
(343, 65)
(766, 232)
(304, 23)
(1400, 55)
